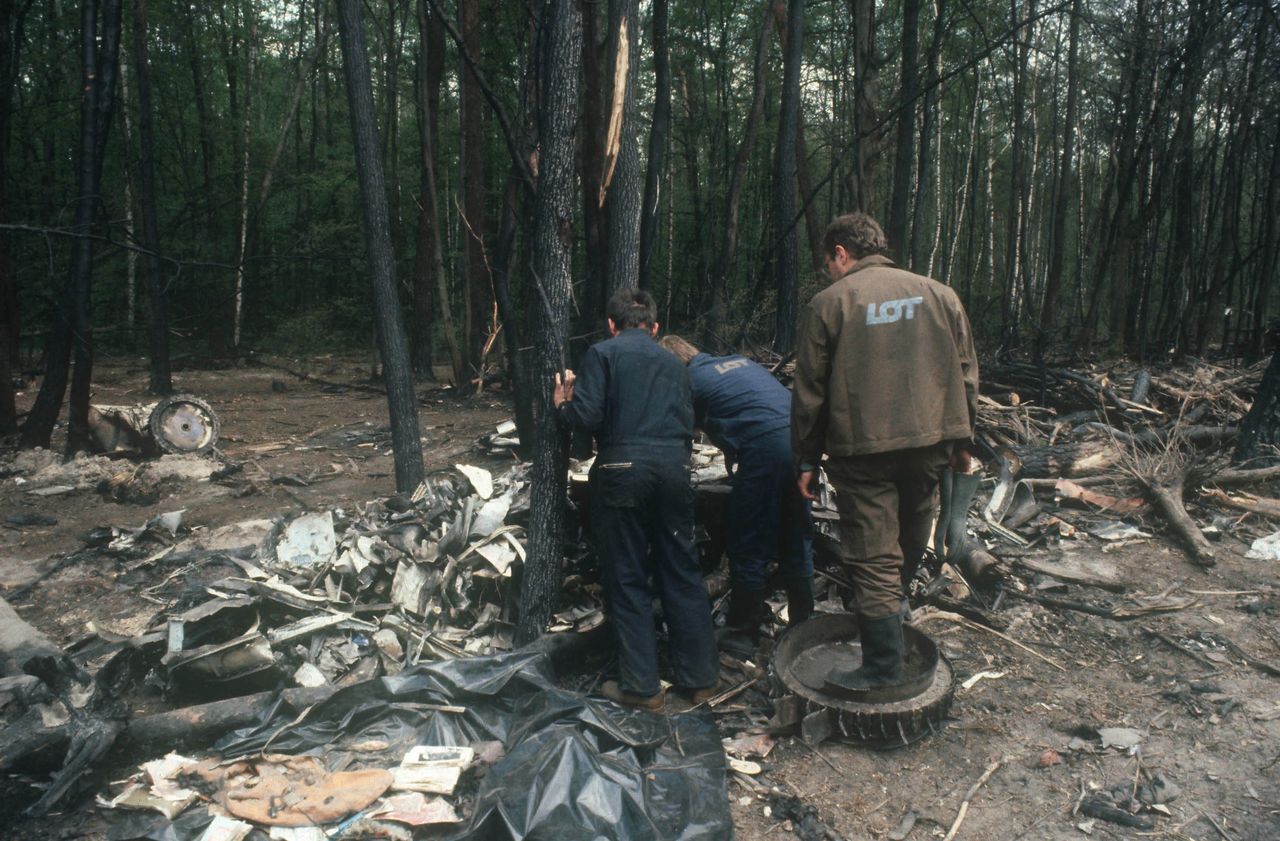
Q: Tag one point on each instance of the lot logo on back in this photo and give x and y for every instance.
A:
(891, 311)
(726, 367)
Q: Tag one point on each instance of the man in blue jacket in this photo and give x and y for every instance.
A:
(746, 412)
(634, 397)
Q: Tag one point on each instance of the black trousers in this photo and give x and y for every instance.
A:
(642, 525)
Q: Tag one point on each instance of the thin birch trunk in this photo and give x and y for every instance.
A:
(131, 256)
(242, 238)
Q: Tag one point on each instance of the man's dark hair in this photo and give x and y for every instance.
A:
(860, 235)
(632, 308)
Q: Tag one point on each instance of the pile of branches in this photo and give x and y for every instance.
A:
(1165, 433)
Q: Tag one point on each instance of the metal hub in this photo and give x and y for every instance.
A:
(184, 424)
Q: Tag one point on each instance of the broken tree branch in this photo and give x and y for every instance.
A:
(1167, 498)
(1235, 478)
(968, 795)
(955, 617)
(1253, 504)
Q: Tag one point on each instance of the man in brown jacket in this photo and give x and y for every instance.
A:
(886, 386)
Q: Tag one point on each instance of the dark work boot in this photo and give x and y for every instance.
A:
(799, 600)
(882, 655)
(741, 632)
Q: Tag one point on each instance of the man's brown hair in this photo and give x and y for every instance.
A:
(632, 308)
(683, 350)
(860, 235)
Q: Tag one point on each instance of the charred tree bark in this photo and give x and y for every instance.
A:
(11, 21)
(787, 258)
(560, 46)
(71, 325)
(1016, 224)
(1259, 442)
(803, 185)
(430, 74)
(1167, 498)
(194, 53)
(1072, 460)
(515, 217)
(405, 435)
(620, 190)
(1062, 202)
(866, 72)
(658, 135)
(478, 285)
(157, 319)
(925, 160)
(737, 177)
(898, 231)
(591, 143)
(1269, 264)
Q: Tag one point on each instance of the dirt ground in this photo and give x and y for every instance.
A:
(1208, 723)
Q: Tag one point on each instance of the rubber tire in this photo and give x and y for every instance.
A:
(155, 424)
(883, 725)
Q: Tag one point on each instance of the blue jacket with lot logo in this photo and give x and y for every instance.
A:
(736, 400)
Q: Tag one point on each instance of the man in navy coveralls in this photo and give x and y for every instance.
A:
(634, 397)
(746, 412)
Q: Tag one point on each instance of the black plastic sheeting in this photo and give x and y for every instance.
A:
(575, 767)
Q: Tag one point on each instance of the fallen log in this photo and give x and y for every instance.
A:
(206, 722)
(1235, 478)
(1075, 571)
(1071, 460)
(1198, 435)
(1167, 498)
(1254, 504)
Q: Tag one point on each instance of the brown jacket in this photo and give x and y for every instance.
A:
(884, 362)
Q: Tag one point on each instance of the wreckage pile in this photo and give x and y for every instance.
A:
(324, 601)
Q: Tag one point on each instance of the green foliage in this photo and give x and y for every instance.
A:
(1170, 239)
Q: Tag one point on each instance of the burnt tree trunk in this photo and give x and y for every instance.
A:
(479, 297)
(787, 259)
(620, 191)
(157, 319)
(516, 215)
(866, 68)
(898, 230)
(560, 45)
(405, 436)
(71, 319)
(430, 73)
(11, 19)
(929, 115)
(590, 146)
(1063, 190)
(728, 246)
(1260, 430)
(1070, 460)
(658, 135)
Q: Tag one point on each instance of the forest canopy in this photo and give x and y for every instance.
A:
(1089, 175)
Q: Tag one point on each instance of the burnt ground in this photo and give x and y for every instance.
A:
(1209, 723)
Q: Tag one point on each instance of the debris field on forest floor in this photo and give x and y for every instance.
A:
(358, 593)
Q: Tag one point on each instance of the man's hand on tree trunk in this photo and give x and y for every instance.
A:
(563, 390)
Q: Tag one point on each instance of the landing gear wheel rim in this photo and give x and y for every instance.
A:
(183, 425)
(885, 724)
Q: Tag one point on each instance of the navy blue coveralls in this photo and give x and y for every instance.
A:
(634, 397)
(747, 414)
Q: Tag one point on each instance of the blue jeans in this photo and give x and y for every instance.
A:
(768, 519)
